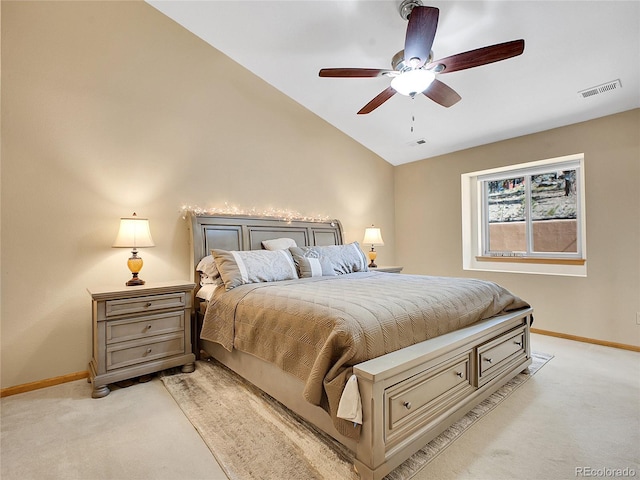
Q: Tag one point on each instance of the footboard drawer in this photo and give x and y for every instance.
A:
(420, 399)
(499, 354)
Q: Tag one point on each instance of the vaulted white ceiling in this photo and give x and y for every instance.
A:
(570, 46)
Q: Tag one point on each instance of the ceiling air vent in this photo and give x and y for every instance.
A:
(605, 87)
(415, 143)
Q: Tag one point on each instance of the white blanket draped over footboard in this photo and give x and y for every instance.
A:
(318, 328)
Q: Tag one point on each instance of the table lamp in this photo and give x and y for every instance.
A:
(373, 237)
(134, 233)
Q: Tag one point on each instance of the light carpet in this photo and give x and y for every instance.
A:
(253, 436)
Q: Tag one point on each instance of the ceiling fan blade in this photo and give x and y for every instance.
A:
(442, 94)
(351, 72)
(480, 56)
(421, 30)
(382, 97)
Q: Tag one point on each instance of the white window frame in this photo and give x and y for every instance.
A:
(474, 235)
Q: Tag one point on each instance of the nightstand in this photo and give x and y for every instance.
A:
(387, 269)
(139, 330)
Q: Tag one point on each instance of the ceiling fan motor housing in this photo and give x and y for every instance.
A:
(406, 6)
(398, 62)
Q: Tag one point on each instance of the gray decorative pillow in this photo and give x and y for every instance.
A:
(279, 243)
(329, 260)
(253, 266)
(309, 263)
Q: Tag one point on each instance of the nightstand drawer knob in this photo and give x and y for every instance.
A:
(487, 360)
(518, 343)
(149, 327)
(148, 350)
(459, 374)
(407, 405)
(148, 304)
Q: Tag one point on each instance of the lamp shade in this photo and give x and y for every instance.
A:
(372, 236)
(134, 233)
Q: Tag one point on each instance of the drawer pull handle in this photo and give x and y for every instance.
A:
(459, 374)
(407, 405)
(148, 350)
(149, 327)
(518, 343)
(487, 360)
(148, 304)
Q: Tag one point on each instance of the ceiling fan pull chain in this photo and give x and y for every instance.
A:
(413, 115)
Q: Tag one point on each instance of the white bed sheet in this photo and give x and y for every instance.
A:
(206, 291)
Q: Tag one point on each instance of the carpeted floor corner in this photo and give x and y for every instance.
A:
(253, 436)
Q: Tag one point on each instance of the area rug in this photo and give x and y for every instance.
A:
(253, 436)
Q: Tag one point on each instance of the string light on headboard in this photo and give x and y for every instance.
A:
(282, 214)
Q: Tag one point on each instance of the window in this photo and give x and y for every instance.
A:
(526, 214)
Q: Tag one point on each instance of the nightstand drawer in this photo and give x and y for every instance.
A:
(130, 353)
(128, 306)
(142, 327)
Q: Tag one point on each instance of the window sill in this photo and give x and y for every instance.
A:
(540, 260)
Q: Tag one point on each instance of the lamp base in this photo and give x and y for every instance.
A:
(135, 265)
(134, 281)
(372, 257)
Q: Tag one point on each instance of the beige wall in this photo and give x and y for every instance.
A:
(110, 108)
(601, 306)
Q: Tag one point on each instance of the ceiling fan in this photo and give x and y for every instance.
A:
(414, 70)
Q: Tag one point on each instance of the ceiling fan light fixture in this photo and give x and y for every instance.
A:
(413, 81)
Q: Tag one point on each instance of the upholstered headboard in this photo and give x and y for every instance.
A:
(229, 232)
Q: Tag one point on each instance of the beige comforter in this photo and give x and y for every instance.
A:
(318, 328)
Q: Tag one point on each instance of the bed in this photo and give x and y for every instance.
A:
(412, 378)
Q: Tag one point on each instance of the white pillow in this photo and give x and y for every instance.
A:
(208, 271)
(207, 291)
(279, 243)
